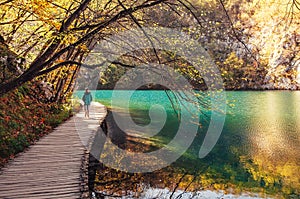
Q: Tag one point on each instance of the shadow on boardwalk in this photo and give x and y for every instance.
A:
(56, 166)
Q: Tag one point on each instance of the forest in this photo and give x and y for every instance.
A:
(44, 44)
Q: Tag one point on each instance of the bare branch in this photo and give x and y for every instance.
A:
(186, 188)
(142, 29)
(5, 2)
(73, 16)
(93, 66)
(177, 185)
(41, 62)
(122, 14)
(192, 12)
(296, 4)
(68, 63)
(99, 28)
(235, 33)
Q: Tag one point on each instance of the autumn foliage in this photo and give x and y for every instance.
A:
(25, 117)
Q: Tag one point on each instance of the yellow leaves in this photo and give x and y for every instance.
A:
(234, 61)
(31, 23)
(219, 186)
(84, 48)
(224, 73)
(69, 39)
(42, 11)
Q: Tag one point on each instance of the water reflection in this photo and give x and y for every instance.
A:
(274, 140)
(257, 151)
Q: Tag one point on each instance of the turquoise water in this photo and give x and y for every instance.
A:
(259, 145)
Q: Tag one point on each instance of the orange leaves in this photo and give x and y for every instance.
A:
(42, 121)
(24, 119)
(5, 100)
(7, 118)
(60, 60)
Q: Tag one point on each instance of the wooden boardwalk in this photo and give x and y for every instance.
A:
(55, 166)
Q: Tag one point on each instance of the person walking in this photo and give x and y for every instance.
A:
(87, 99)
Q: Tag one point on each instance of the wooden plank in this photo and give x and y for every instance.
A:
(41, 187)
(48, 196)
(52, 167)
(40, 180)
(29, 192)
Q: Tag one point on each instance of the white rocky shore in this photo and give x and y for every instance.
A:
(207, 194)
(155, 193)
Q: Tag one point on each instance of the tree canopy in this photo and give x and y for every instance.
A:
(254, 42)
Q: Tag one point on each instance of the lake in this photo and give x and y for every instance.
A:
(258, 149)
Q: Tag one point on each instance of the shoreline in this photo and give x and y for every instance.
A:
(262, 89)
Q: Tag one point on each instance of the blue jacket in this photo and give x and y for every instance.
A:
(87, 98)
